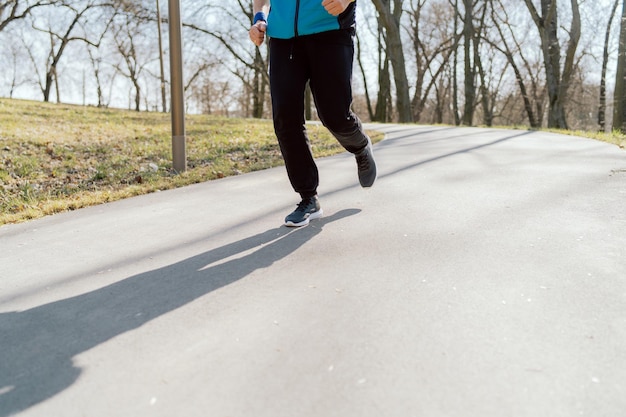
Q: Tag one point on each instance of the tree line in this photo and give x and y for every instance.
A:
(537, 63)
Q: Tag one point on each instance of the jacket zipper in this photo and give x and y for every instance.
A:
(295, 23)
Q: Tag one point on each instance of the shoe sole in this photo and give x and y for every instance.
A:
(369, 184)
(312, 216)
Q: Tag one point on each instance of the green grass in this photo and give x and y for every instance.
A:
(62, 157)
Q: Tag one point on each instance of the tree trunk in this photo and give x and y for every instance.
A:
(455, 75)
(552, 57)
(258, 92)
(137, 94)
(161, 63)
(470, 87)
(368, 101)
(384, 102)
(605, 62)
(431, 57)
(391, 22)
(568, 65)
(619, 113)
(484, 87)
(557, 81)
(505, 49)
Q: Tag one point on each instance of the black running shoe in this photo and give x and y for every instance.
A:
(366, 166)
(308, 209)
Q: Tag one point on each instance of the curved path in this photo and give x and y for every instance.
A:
(483, 275)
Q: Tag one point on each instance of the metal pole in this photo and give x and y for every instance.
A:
(178, 99)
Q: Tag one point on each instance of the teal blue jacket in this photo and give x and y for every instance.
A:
(291, 18)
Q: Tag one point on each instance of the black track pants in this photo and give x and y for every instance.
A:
(325, 60)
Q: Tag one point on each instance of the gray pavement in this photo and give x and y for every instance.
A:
(484, 274)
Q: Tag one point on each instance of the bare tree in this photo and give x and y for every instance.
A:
(383, 110)
(508, 44)
(133, 51)
(557, 79)
(390, 19)
(60, 38)
(605, 63)
(511, 68)
(13, 55)
(102, 76)
(367, 57)
(373, 62)
(359, 61)
(384, 100)
(12, 10)
(470, 64)
(161, 60)
(444, 110)
(433, 43)
(455, 78)
(488, 92)
(216, 96)
(245, 62)
(619, 112)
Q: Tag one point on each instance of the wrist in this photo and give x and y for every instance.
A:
(259, 17)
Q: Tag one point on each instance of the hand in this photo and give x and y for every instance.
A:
(257, 33)
(336, 7)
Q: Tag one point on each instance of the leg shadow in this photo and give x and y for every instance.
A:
(37, 346)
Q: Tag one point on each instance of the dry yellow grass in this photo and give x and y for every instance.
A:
(63, 157)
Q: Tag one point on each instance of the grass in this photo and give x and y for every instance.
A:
(57, 157)
(615, 138)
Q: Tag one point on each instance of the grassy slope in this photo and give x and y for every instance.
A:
(63, 157)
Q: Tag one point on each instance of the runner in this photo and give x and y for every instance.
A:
(312, 41)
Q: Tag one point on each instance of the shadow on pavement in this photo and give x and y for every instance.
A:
(447, 155)
(37, 346)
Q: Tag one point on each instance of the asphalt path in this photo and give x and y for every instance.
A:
(484, 274)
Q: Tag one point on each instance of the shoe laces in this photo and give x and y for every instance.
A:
(363, 160)
(304, 204)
